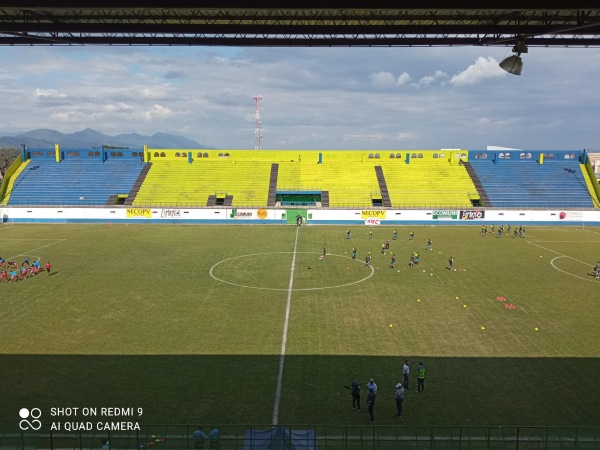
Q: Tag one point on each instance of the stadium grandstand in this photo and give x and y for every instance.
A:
(412, 179)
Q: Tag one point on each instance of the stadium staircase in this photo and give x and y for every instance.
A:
(325, 199)
(385, 195)
(480, 189)
(526, 183)
(138, 184)
(73, 181)
(272, 198)
(590, 186)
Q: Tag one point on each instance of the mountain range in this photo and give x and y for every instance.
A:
(89, 138)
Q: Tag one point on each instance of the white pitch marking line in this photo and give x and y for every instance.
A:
(591, 231)
(561, 255)
(212, 269)
(284, 339)
(56, 241)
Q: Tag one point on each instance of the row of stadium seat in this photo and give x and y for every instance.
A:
(179, 183)
(72, 182)
(348, 183)
(433, 183)
(556, 184)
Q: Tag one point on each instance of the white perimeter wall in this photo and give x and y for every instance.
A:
(316, 216)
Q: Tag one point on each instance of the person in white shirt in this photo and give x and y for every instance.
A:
(405, 372)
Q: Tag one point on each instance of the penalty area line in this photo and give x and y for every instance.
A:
(562, 255)
(284, 338)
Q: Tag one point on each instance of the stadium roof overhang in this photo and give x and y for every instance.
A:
(307, 23)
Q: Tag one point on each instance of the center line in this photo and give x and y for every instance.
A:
(284, 339)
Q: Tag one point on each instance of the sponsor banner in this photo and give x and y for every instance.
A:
(242, 214)
(372, 214)
(261, 213)
(472, 215)
(446, 214)
(571, 215)
(372, 222)
(139, 212)
(170, 213)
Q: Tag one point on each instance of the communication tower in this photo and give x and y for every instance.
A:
(257, 130)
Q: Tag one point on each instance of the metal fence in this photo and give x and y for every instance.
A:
(338, 206)
(179, 437)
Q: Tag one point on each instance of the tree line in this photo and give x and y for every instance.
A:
(7, 156)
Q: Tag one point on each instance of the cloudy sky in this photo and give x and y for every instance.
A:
(313, 98)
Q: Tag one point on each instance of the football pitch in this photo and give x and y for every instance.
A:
(248, 324)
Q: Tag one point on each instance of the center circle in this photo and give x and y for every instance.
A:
(273, 271)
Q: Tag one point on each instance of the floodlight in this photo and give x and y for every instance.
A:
(513, 64)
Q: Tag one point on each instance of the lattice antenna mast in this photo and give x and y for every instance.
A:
(257, 130)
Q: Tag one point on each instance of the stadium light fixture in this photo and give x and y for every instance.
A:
(514, 64)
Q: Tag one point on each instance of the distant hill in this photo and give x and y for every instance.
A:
(89, 138)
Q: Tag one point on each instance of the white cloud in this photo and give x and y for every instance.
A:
(482, 69)
(404, 136)
(65, 117)
(157, 111)
(431, 78)
(426, 80)
(151, 92)
(118, 107)
(403, 79)
(373, 137)
(386, 80)
(44, 94)
(382, 80)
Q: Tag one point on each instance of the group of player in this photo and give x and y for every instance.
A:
(415, 258)
(520, 232)
(10, 271)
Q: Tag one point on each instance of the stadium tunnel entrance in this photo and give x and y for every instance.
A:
(294, 215)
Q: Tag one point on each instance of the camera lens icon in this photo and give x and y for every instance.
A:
(34, 414)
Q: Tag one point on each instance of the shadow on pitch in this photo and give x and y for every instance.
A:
(240, 389)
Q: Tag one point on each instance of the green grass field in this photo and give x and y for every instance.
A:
(187, 322)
